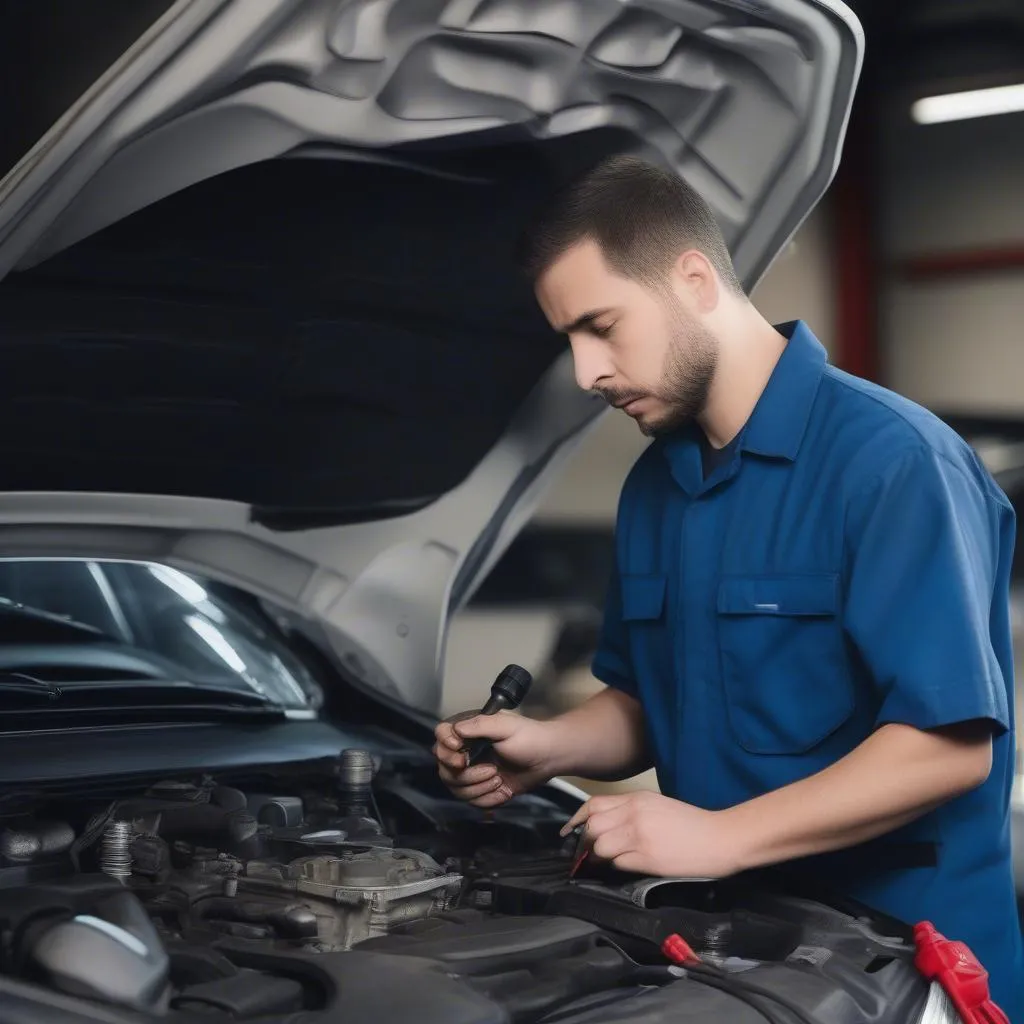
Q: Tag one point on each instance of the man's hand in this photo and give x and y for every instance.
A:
(650, 834)
(522, 756)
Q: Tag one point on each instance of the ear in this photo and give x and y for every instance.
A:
(698, 280)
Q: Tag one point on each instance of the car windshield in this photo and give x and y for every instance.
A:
(75, 621)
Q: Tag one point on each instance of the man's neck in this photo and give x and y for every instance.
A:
(747, 357)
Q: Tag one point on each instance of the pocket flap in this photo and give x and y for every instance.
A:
(643, 597)
(779, 595)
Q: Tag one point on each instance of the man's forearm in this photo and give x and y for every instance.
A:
(602, 739)
(894, 777)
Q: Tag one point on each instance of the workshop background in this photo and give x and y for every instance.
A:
(910, 271)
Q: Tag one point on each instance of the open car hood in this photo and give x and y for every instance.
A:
(258, 318)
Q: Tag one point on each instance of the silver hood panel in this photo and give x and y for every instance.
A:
(747, 100)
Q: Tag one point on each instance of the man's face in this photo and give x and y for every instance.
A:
(639, 347)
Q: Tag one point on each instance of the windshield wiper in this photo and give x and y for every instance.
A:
(21, 682)
(139, 696)
(163, 692)
(56, 626)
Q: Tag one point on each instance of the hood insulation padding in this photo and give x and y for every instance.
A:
(324, 340)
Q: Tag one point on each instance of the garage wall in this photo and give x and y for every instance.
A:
(801, 283)
(956, 342)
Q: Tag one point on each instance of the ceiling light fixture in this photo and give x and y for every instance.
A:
(958, 106)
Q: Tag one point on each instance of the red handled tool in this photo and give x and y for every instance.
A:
(581, 850)
(959, 973)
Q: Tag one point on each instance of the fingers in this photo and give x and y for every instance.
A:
(632, 862)
(610, 833)
(613, 845)
(609, 820)
(480, 785)
(477, 792)
(460, 778)
(595, 805)
(468, 784)
(449, 746)
(498, 796)
(452, 760)
(496, 727)
(447, 737)
(451, 735)
(609, 830)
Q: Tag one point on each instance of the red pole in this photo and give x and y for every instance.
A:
(961, 262)
(856, 285)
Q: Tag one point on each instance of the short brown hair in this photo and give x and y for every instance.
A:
(640, 215)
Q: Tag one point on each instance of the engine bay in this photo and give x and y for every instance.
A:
(355, 888)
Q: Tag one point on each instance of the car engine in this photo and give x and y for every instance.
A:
(356, 889)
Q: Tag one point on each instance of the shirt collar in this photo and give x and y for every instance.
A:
(779, 421)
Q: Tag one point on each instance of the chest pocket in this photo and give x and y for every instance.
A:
(783, 660)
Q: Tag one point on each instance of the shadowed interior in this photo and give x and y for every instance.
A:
(319, 338)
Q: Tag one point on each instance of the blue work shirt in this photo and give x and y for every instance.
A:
(846, 567)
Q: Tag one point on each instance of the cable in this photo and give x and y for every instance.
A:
(675, 948)
(724, 983)
(742, 993)
(730, 983)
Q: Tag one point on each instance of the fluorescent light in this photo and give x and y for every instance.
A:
(957, 106)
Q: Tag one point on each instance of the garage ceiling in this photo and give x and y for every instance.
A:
(922, 46)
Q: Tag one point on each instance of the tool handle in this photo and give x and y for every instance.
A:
(507, 692)
(479, 748)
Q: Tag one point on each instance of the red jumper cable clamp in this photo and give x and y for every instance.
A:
(959, 973)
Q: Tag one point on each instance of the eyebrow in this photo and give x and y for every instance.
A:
(584, 321)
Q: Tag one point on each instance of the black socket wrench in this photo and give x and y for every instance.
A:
(507, 693)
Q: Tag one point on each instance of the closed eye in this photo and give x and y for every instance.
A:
(602, 331)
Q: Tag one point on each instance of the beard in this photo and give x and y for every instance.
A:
(686, 377)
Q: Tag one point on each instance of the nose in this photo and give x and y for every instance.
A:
(590, 361)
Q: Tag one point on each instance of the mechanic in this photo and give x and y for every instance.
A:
(807, 631)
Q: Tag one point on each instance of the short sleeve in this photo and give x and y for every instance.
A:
(611, 664)
(927, 579)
